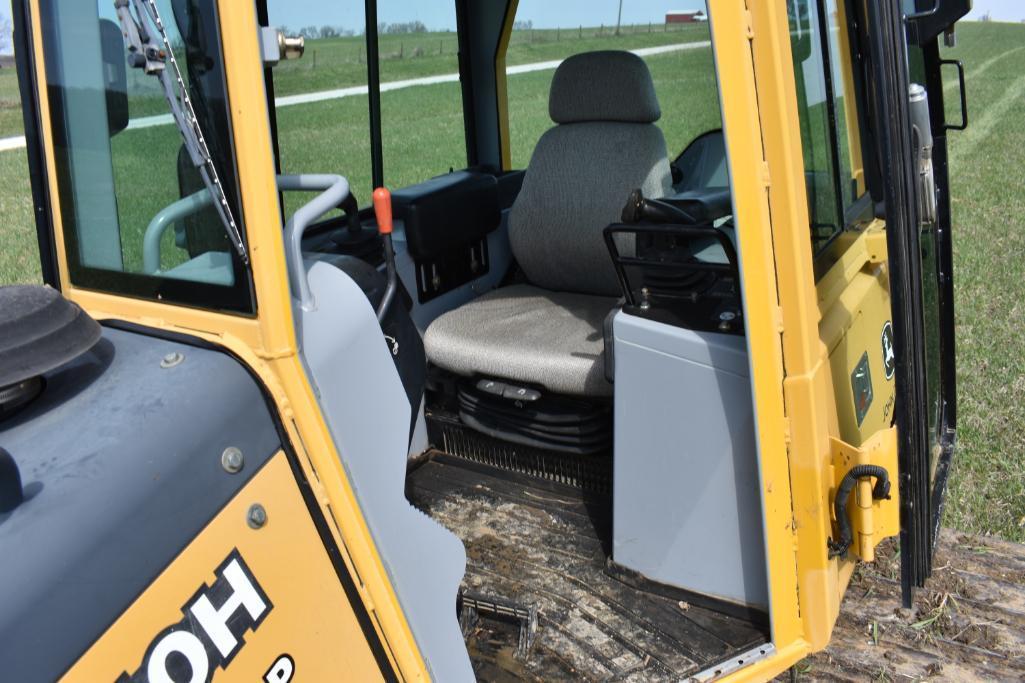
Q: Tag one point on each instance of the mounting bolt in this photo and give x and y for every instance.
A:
(257, 516)
(171, 359)
(232, 460)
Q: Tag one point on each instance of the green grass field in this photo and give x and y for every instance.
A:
(423, 137)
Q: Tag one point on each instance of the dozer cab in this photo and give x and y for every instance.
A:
(624, 388)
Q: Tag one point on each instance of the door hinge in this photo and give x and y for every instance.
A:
(863, 486)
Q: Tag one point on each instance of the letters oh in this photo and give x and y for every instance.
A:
(214, 620)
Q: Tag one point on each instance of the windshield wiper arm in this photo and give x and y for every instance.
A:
(152, 57)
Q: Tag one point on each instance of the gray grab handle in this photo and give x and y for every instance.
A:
(165, 218)
(333, 189)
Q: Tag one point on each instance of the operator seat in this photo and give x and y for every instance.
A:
(549, 332)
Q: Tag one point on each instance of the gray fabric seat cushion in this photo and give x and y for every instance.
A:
(526, 334)
(576, 185)
(604, 85)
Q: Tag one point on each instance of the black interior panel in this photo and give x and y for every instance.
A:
(448, 212)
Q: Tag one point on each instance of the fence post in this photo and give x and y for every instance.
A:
(581, 31)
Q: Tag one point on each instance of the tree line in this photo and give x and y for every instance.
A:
(326, 31)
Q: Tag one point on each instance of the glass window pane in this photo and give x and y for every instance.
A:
(321, 107)
(932, 316)
(422, 129)
(132, 201)
(846, 107)
(816, 130)
(679, 56)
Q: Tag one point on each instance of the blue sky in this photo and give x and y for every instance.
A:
(1000, 10)
(440, 14)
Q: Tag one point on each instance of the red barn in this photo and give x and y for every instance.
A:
(685, 16)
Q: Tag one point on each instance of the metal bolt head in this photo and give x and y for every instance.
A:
(257, 516)
(171, 359)
(232, 460)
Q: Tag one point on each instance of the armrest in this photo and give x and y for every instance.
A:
(706, 205)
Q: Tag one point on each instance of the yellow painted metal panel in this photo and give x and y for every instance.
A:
(732, 32)
(306, 613)
(808, 385)
(852, 328)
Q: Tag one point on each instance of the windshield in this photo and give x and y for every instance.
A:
(138, 217)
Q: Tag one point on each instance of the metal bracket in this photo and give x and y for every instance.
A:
(964, 94)
(473, 607)
(872, 519)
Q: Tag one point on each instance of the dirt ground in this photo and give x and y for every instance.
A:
(967, 624)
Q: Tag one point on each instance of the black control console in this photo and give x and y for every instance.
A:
(446, 222)
(675, 266)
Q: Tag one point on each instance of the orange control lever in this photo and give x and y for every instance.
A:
(382, 209)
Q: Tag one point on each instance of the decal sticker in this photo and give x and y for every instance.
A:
(211, 632)
(889, 358)
(861, 383)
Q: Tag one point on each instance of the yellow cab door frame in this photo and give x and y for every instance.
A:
(799, 330)
(266, 342)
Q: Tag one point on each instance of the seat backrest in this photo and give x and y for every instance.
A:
(604, 146)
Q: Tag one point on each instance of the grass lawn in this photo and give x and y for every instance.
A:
(423, 137)
(987, 490)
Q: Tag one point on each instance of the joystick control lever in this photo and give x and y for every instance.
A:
(382, 209)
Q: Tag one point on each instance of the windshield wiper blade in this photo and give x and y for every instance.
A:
(153, 57)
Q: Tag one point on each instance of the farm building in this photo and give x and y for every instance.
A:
(685, 16)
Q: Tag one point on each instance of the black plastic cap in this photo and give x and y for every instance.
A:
(11, 493)
(39, 331)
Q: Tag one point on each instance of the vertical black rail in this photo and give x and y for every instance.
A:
(861, 59)
(465, 35)
(890, 81)
(263, 19)
(23, 53)
(947, 426)
(374, 96)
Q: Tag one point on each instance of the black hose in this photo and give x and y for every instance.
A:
(880, 491)
(389, 292)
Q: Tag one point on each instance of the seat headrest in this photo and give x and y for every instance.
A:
(608, 85)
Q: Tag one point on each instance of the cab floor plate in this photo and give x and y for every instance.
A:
(544, 545)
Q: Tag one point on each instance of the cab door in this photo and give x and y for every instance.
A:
(911, 129)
